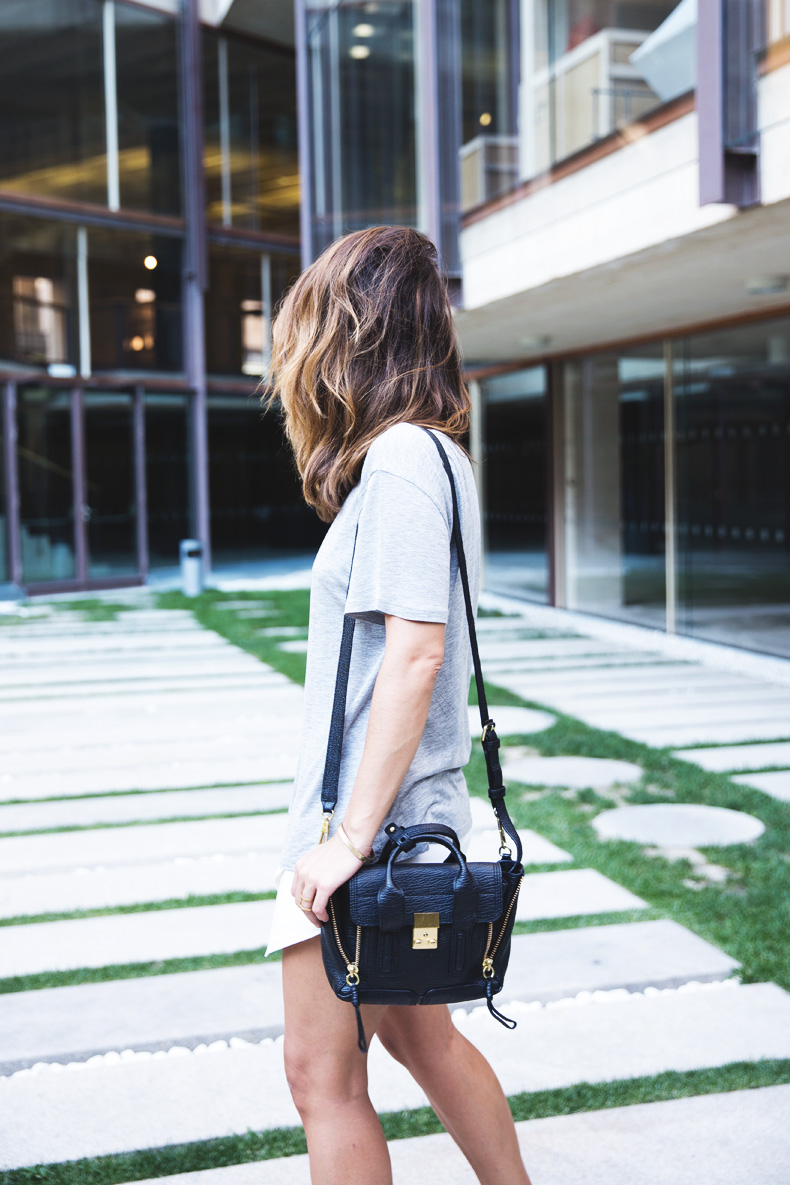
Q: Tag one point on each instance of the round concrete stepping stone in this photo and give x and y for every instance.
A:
(678, 825)
(574, 772)
(512, 721)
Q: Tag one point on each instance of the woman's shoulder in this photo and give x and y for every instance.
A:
(406, 450)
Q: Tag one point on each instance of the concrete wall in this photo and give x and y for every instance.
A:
(642, 196)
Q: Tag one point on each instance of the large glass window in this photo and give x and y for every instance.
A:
(52, 128)
(732, 392)
(167, 476)
(251, 162)
(147, 88)
(489, 86)
(37, 292)
(134, 284)
(590, 67)
(777, 20)
(614, 484)
(256, 503)
(364, 105)
(244, 288)
(515, 475)
(46, 484)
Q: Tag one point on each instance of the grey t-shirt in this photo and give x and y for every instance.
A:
(401, 515)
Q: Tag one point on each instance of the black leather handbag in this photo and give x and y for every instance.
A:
(422, 933)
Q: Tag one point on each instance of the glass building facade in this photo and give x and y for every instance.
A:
(165, 181)
(121, 406)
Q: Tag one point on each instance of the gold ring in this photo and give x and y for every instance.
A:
(305, 908)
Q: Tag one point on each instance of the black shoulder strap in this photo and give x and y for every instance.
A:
(490, 740)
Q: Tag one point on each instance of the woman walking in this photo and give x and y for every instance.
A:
(365, 357)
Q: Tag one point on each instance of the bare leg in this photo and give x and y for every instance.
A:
(461, 1087)
(327, 1075)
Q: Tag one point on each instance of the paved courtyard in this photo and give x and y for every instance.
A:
(146, 765)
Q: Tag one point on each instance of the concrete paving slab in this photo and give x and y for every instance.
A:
(189, 1007)
(633, 955)
(220, 682)
(192, 1006)
(133, 938)
(512, 721)
(175, 727)
(776, 784)
(138, 808)
(484, 845)
(86, 715)
(709, 1140)
(108, 888)
(146, 844)
(494, 647)
(272, 765)
(739, 757)
(678, 825)
(579, 772)
(604, 663)
(571, 892)
(211, 746)
(159, 1100)
(298, 646)
(766, 729)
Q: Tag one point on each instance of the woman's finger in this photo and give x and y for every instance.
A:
(319, 905)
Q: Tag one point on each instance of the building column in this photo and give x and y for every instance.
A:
(195, 271)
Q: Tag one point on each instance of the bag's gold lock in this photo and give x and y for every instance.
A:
(426, 931)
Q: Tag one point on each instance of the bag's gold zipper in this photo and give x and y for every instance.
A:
(352, 968)
(488, 957)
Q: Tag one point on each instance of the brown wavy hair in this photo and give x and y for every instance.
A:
(363, 340)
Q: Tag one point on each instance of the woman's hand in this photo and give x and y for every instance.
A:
(319, 873)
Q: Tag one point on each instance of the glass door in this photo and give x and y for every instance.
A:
(110, 506)
(45, 462)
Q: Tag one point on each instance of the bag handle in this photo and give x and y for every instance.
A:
(489, 740)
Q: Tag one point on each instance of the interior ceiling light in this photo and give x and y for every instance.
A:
(145, 295)
(363, 30)
(360, 51)
(485, 118)
(150, 262)
(767, 285)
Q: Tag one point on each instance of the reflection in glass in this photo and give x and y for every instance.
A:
(516, 489)
(147, 89)
(46, 507)
(614, 477)
(777, 20)
(52, 130)
(37, 286)
(591, 67)
(489, 153)
(256, 503)
(733, 485)
(363, 111)
(244, 287)
(167, 476)
(250, 156)
(134, 283)
(111, 508)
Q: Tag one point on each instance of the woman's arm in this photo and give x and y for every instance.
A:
(413, 655)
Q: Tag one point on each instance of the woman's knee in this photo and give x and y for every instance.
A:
(316, 1083)
(413, 1036)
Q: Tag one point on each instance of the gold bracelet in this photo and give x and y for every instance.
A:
(363, 859)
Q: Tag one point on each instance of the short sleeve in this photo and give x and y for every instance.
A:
(401, 562)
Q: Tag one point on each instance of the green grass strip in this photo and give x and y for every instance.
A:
(285, 609)
(189, 902)
(399, 1125)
